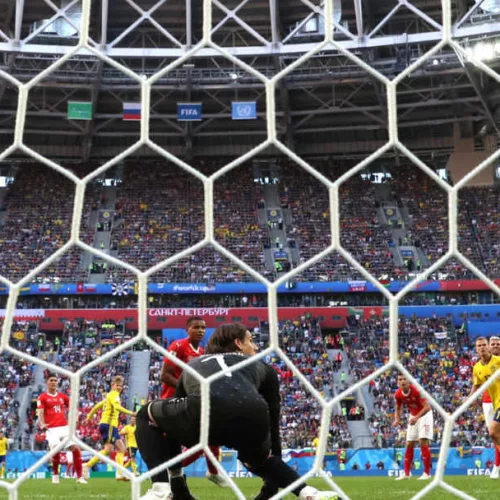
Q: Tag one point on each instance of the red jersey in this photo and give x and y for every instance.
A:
(54, 408)
(183, 350)
(414, 400)
(487, 397)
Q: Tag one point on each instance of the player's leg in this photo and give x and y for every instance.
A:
(489, 413)
(253, 444)
(56, 461)
(2, 467)
(425, 428)
(156, 449)
(408, 460)
(212, 473)
(77, 464)
(120, 455)
(494, 431)
(53, 441)
(106, 437)
(133, 461)
(425, 451)
(273, 470)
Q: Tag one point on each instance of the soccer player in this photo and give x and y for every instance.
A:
(494, 347)
(4, 448)
(108, 425)
(129, 432)
(51, 412)
(186, 350)
(487, 365)
(420, 425)
(244, 415)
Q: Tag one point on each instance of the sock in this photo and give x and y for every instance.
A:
(56, 460)
(120, 457)
(95, 460)
(77, 463)
(134, 466)
(426, 458)
(408, 459)
(497, 456)
(177, 472)
(192, 458)
(211, 467)
(2, 470)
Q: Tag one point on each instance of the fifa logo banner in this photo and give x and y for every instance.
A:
(189, 111)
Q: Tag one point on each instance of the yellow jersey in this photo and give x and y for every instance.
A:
(4, 445)
(482, 372)
(111, 409)
(129, 432)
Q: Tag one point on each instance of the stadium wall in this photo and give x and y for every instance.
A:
(162, 318)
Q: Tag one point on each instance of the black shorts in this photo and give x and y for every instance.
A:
(244, 428)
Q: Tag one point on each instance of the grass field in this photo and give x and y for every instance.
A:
(376, 488)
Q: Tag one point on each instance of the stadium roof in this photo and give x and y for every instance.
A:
(326, 106)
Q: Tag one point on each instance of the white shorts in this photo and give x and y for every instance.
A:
(423, 429)
(57, 434)
(488, 413)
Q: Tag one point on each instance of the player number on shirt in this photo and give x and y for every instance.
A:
(222, 363)
(57, 409)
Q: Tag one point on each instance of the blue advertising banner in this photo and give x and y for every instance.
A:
(362, 462)
(244, 110)
(189, 111)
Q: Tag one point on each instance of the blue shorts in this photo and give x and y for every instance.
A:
(109, 434)
(496, 416)
(3, 457)
(132, 452)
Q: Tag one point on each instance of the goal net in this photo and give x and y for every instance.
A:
(349, 47)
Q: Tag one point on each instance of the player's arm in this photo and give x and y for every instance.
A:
(40, 413)
(426, 408)
(476, 384)
(168, 369)
(398, 411)
(124, 431)
(118, 407)
(180, 390)
(95, 409)
(270, 391)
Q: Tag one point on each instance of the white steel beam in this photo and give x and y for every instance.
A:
(358, 10)
(487, 29)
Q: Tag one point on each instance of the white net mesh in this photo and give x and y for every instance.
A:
(326, 12)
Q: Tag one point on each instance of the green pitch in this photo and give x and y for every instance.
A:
(376, 488)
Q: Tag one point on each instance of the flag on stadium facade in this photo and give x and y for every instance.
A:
(189, 111)
(132, 111)
(79, 110)
(440, 335)
(119, 289)
(244, 110)
(89, 287)
(44, 287)
(79, 287)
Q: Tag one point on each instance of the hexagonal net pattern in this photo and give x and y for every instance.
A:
(86, 45)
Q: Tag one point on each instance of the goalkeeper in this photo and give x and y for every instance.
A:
(244, 415)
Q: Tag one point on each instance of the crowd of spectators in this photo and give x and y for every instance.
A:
(159, 211)
(437, 355)
(302, 342)
(38, 211)
(479, 227)
(15, 374)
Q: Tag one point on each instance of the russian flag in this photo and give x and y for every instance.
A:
(131, 111)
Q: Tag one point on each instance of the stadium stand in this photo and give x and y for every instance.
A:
(442, 366)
